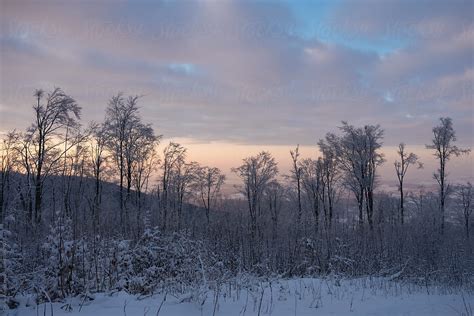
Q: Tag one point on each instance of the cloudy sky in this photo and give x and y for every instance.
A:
(228, 78)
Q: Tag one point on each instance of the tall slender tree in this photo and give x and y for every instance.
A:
(173, 154)
(444, 148)
(401, 168)
(311, 179)
(296, 174)
(98, 161)
(330, 176)
(145, 162)
(7, 157)
(465, 195)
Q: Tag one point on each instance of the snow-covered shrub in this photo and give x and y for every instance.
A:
(11, 262)
(59, 253)
(121, 270)
(157, 260)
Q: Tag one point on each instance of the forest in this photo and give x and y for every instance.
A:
(104, 207)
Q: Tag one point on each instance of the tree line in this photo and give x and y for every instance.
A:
(77, 200)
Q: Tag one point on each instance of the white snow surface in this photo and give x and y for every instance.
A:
(302, 296)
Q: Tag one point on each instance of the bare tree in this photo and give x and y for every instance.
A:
(145, 164)
(208, 184)
(401, 168)
(98, 160)
(140, 158)
(443, 141)
(118, 118)
(184, 174)
(275, 194)
(330, 176)
(126, 137)
(141, 140)
(350, 157)
(22, 147)
(73, 169)
(53, 112)
(373, 137)
(256, 172)
(357, 152)
(172, 155)
(6, 165)
(465, 194)
(296, 174)
(312, 185)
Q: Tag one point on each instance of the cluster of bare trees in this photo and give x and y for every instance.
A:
(183, 182)
(122, 148)
(131, 144)
(56, 146)
(315, 190)
(72, 186)
(257, 173)
(38, 152)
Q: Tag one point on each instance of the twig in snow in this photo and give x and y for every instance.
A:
(467, 306)
(82, 303)
(260, 303)
(295, 303)
(50, 303)
(271, 298)
(162, 302)
(244, 309)
(216, 300)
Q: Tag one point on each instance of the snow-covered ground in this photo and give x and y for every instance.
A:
(307, 296)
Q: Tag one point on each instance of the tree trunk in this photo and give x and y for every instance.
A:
(442, 193)
(402, 204)
(38, 196)
(467, 226)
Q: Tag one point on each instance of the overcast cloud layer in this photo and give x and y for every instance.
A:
(248, 72)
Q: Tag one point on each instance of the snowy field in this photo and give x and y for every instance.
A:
(373, 296)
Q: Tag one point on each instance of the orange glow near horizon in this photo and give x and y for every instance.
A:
(228, 155)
